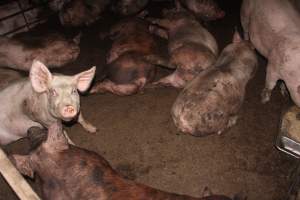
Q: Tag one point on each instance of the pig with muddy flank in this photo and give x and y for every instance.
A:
(54, 50)
(128, 70)
(273, 27)
(211, 102)
(192, 49)
(206, 10)
(128, 7)
(70, 172)
(41, 100)
(82, 12)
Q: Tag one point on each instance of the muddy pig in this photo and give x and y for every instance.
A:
(127, 69)
(70, 172)
(82, 12)
(41, 100)
(191, 47)
(274, 29)
(210, 103)
(53, 49)
(128, 7)
(206, 10)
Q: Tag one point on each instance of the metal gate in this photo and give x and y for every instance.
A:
(22, 15)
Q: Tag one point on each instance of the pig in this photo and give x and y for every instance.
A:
(128, 7)
(191, 47)
(81, 12)
(128, 70)
(8, 76)
(210, 103)
(273, 28)
(42, 99)
(52, 49)
(206, 10)
(70, 172)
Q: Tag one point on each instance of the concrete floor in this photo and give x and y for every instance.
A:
(137, 136)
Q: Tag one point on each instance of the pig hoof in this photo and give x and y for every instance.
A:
(265, 96)
(90, 128)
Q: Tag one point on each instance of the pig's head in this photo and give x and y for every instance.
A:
(61, 91)
(35, 161)
(60, 50)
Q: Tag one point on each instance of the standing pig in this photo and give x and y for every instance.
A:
(128, 71)
(274, 30)
(70, 172)
(128, 7)
(206, 10)
(191, 47)
(81, 12)
(210, 103)
(54, 50)
(40, 101)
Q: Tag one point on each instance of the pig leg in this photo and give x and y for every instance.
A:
(86, 125)
(178, 6)
(283, 89)
(172, 80)
(68, 138)
(119, 89)
(271, 80)
(245, 19)
(159, 60)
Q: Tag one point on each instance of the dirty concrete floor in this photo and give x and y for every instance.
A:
(137, 136)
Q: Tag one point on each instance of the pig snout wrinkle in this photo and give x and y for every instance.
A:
(68, 111)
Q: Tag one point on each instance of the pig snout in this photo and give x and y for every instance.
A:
(68, 112)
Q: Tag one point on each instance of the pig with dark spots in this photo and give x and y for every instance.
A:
(82, 12)
(128, 7)
(70, 172)
(273, 27)
(192, 49)
(206, 10)
(211, 102)
(53, 49)
(128, 70)
(42, 99)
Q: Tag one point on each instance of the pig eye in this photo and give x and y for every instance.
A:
(53, 92)
(74, 91)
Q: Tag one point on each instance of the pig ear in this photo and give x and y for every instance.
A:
(40, 76)
(84, 79)
(76, 39)
(22, 163)
(236, 37)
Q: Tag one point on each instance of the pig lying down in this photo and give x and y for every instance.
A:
(54, 50)
(128, 7)
(192, 49)
(81, 12)
(273, 28)
(41, 100)
(72, 173)
(210, 103)
(206, 10)
(128, 70)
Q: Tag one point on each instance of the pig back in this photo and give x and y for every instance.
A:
(206, 104)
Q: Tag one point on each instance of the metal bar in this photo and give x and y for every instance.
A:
(23, 14)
